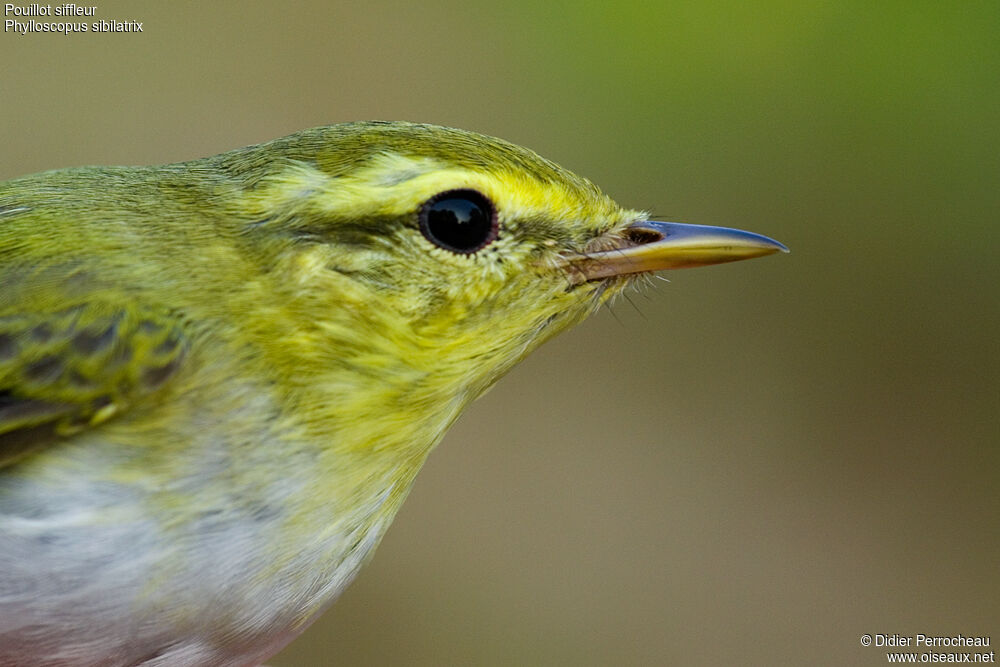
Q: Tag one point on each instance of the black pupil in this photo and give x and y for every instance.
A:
(459, 221)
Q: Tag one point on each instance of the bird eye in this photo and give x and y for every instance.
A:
(461, 221)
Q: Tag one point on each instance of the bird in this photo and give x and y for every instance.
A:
(219, 378)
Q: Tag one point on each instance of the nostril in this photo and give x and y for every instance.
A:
(643, 235)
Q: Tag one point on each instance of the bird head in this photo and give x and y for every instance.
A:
(433, 252)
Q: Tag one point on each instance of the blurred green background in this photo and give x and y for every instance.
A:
(751, 464)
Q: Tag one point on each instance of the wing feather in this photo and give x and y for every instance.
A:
(65, 371)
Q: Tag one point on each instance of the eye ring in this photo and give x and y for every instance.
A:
(462, 221)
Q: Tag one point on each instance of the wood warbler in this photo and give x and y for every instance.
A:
(218, 378)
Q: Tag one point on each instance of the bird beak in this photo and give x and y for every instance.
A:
(654, 246)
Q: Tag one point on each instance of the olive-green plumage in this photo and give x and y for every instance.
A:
(218, 378)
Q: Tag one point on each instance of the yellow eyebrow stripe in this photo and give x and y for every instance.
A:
(394, 185)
